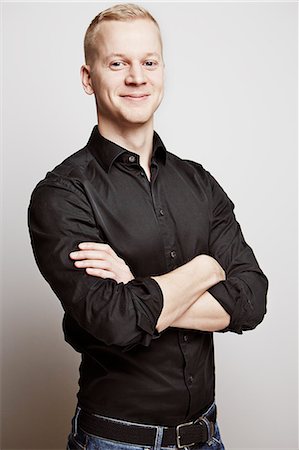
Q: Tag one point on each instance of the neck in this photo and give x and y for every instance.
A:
(137, 138)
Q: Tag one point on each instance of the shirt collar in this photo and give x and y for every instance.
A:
(106, 151)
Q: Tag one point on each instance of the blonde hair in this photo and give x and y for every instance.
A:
(122, 12)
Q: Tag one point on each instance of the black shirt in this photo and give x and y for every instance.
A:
(101, 194)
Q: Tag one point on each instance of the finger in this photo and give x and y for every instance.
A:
(97, 246)
(91, 245)
(100, 273)
(89, 254)
(93, 264)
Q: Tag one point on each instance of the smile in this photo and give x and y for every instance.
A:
(135, 98)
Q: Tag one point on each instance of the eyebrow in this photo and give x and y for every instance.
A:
(122, 55)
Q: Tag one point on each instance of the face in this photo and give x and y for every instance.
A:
(127, 72)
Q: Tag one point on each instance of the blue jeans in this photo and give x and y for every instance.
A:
(80, 440)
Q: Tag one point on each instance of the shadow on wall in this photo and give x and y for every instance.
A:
(39, 370)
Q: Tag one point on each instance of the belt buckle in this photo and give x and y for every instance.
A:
(178, 437)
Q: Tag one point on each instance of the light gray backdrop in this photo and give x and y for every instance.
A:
(230, 104)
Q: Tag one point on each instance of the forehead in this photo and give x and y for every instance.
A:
(134, 37)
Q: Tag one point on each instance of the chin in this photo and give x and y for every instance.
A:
(137, 114)
(137, 118)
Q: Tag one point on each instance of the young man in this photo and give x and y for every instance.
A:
(145, 254)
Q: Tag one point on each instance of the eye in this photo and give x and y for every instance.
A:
(150, 64)
(117, 64)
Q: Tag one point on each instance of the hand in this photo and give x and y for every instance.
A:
(100, 260)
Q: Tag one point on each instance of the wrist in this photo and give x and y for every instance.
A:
(210, 270)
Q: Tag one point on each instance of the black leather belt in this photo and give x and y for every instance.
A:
(198, 431)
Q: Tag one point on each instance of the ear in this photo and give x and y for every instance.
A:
(86, 80)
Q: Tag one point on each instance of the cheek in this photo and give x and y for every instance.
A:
(158, 80)
(106, 93)
(108, 84)
(159, 88)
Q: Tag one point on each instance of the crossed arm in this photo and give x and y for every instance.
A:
(198, 294)
(187, 303)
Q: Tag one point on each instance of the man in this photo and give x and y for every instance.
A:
(145, 254)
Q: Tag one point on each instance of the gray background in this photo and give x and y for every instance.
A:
(230, 104)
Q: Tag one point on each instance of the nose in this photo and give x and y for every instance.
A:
(136, 74)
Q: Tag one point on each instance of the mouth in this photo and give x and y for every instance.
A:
(135, 97)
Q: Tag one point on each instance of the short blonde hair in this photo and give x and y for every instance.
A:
(122, 12)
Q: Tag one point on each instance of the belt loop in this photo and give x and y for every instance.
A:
(75, 421)
(158, 439)
(210, 428)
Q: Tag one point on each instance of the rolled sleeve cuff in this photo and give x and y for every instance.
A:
(228, 295)
(148, 302)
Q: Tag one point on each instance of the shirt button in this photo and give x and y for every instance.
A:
(161, 212)
(142, 174)
(185, 338)
(190, 379)
(173, 254)
(132, 158)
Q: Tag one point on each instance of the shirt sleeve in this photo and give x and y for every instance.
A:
(243, 293)
(59, 218)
